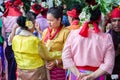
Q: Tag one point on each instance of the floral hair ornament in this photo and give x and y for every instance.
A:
(29, 24)
(36, 8)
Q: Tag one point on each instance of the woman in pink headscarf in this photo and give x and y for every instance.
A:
(88, 53)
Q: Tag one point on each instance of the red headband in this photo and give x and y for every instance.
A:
(115, 13)
(72, 13)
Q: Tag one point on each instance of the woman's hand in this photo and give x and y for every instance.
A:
(87, 77)
(37, 27)
(50, 65)
(82, 75)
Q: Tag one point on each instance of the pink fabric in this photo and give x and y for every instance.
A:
(96, 50)
(8, 23)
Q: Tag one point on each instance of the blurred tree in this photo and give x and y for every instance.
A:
(27, 4)
(70, 3)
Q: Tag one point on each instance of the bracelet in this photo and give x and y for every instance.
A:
(56, 61)
(78, 76)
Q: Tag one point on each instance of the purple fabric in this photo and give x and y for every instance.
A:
(42, 22)
(2, 56)
(73, 77)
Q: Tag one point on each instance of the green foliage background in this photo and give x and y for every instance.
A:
(70, 3)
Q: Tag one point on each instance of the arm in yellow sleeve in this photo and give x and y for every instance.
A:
(45, 54)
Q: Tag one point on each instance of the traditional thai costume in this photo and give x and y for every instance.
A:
(88, 52)
(27, 49)
(55, 45)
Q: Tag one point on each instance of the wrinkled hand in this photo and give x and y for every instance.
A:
(50, 65)
(82, 76)
(88, 77)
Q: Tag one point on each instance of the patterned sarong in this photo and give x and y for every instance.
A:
(57, 74)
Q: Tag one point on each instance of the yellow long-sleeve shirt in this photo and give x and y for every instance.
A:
(27, 51)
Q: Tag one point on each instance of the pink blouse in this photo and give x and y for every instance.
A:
(8, 23)
(96, 51)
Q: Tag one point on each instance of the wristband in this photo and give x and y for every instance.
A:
(56, 61)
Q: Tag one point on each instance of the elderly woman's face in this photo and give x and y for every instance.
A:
(53, 22)
(116, 24)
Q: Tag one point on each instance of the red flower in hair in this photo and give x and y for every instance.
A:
(36, 8)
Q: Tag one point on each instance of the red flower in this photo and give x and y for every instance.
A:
(37, 8)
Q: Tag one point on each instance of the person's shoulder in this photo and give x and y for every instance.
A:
(106, 36)
(75, 31)
(65, 29)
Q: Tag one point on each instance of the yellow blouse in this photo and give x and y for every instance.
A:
(27, 50)
(55, 46)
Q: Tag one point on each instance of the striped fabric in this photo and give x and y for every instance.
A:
(57, 74)
(73, 77)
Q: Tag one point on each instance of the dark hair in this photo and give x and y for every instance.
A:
(12, 1)
(31, 16)
(21, 22)
(95, 13)
(57, 12)
(44, 12)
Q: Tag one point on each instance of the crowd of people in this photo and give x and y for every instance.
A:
(50, 44)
